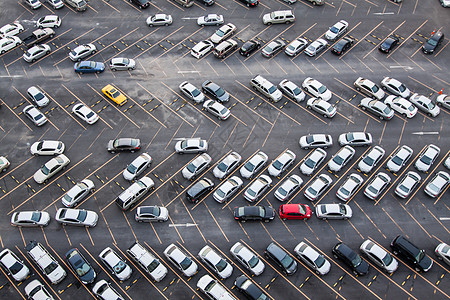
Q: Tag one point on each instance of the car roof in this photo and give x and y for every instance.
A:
(290, 208)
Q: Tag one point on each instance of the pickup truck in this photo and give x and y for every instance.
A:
(38, 36)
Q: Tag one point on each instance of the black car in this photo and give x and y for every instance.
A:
(124, 144)
(414, 255)
(254, 213)
(434, 41)
(342, 46)
(250, 3)
(207, 2)
(215, 91)
(80, 266)
(196, 192)
(273, 48)
(351, 258)
(141, 3)
(282, 258)
(249, 47)
(389, 44)
(249, 289)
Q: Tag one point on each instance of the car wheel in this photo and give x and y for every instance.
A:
(129, 69)
(150, 25)
(395, 252)
(64, 224)
(429, 114)
(4, 170)
(98, 72)
(20, 30)
(269, 23)
(167, 24)
(113, 69)
(345, 218)
(93, 51)
(325, 116)
(242, 221)
(306, 148)
(284, 219)
(363, 107)
(417, 269)
(356, 273)
(358, 89)
(52, 35)
(3, 51)
(287, 22)
(335, 256)
(132, 151)
(33, 60)
(318, 273)
(40, 27)
(314, 3)
(112, 152)
(309, 107)
(381, 118)
(248, 5)
(181, 153)
(324, 219)
(383, 87)
(56, 26)
(440, 258)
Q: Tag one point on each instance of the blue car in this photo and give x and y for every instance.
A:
(80, 266)
(89, 67)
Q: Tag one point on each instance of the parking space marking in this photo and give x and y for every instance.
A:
(398, 226)
(10, 171)
(442, 49)
(406, 39)
(437, 220)
(176, 45)
(158, 42)
(107, 226)
(270, 130)
(255, 112)
(4, 103)
(360, 40)
(378, 45)
(106, 2)
(12, 283)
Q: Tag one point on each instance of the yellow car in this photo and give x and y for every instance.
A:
(114, 95)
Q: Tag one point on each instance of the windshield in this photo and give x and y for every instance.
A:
(301, 209)
(15, 268)
(50, 268)
(310, 163)
(82, 215)
(397, 160)
(404, 188)
(115, 93)
(287, 261)
(272, 89)
(282, 191)
(90, 115)
(402, 88)
(251, 192)
(432, 42)
(220, 193)
(249, 166)
(426, 160)
(191, 168)
(373, 190)
(337, 159)
(253, 261)
(277, 165)
(322, 89)
(312, 191)
(36, 216)
(186, 263)
(220, 92)
(83, 270)
(320, 261)
(221, 265)
(195, 92)
(387, 259)
(45, 170)
(220, 33)
(420, 256)
(356, 261)
(345, 191)
(433, 187)
(39, 96)
(387, 110)
(132, 169)
(334, 30)
(375, 89)
(151, 267)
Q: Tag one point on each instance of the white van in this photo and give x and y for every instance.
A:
(135, 192)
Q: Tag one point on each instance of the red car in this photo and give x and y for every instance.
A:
(295, 212)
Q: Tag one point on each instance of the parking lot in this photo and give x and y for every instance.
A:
(159, 115)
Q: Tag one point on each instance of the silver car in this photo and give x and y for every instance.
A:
(371, 159)
(427, 158)
(34, 115)
(443, 252)
(30, 218)
(378, 108)
(257, 188)
(151, 214)
(198, 165)
(214, 261)
(355, 139)
(336, 30)
(318, 187)
(50, 168)
(191, 145)
(349, 187)
(399, 159)
(77, 193)
(291, 90)
(247, 258)
(312, 258)
(180, 260)
(437, 184)
(137, 166)
(47, 148)
(333, 211)
(217, 109)
(223, 33)
(4, 164)
(227, 189)
(103, 290)
(190, 91)
(295, 47)
(425, 104)
(316, 88)
(13, 265)
(379, 256)
(77, 217)
(202, 48)
(211, 19)
(313, 161)
(377, 185)
(282, 163)
(35, 290)
(316, 141)
(369, 88)
(443, 100)
(326, 109)
(82, 51)
(227, 165)
(159, 20)
(288, 187)
(253, 165)
(122, 64)
(395, 87)
(316, 47)
(38, 96)
(341, 158)
(36, 52)
(401, 105)
(408, 184)
(147, 261)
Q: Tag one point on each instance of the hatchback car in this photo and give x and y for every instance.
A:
(399, 159)
(349, 187)
(316, 188)
(254, 213)
(147, 261)
(30, 218)
(122, 64)
(88, 66)
(443, 100)
(249, 47)
(216, 109)
(247, 258)
(273, 48)
(8, 43)
(355, 139)
(227, 165)
(115, 95)
(291, 90)
(215, 91)
(214, 261)
(227, 189)
(323, 107)
(433, 42)
(343, 45)
(254, 165)
(316, 47)
(223, 33)
(401, 105)
(191, 145)
(151, 214)
(336, 30)
(11, 30)
(82, 51)
(442, 252)
(378, 108)
(295, 47)
(77, 217)
(85, 113)
(389, 44)
(249, 289)
(427, 158)
(413, 254)
(294, 212)
(333, 211)
(341, 158)
(377, 185)
(312, 258)
(407, 184)
(50, 168)
(34, 115)
(35, 290)
(282, 163)
(351, 259)
(283, 259)
(190, 91)
(103, 290)
(38, 96)
(316, 88)
(257, 188)
(77, 193)
(395, 87)
(80, 266)
(47, 148)
(180, 260)
(137, 166)
(199, 190)
(315, 141)
(50, 21)
(288, 187)
(379, 256)
(425, 104)
(159, 20)
(371, 159)
(115, 264)
(210, 19)
(438, 184)
(123, 144)
(197, 166)
(13, 266)
(313, 161)
(369, 88)
(202, 48)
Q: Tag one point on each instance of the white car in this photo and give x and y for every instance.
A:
(159, 20)
(195, 167)
(35, 290)
(190, 91)
(315, 141)
(337, 30)
(214, 261)
(313, 161)
(37, 96)
(355, 139)
(312, 258)
(122, 64)
(295, 47)
(369, 88)
(34, 115)
(211, 19)
(56, 4)
(50, 21)
(11, 30)
(50, 168)
(77, 193)
(291, 90)
(316, 47)
(442, 250)
(77, 217)
(333, 211)
(408, 184)
(103, 290)
(36, 52)
(318, 187)
(45, 147)
(427, 158)
(4, 164)
(217, 109)
(13, 265)
(288, 187)
(379, 256)
(8, 43)
(371, 159)
(30, 218)
(223, 33)
(443, 100)
(257, 188)
(82, 51)
(437, 184)
(191, 145)
(316, 88)
(115, 264)
(341, 158)
(326, 109)
(377, 185)
(227, 165)
(425, 104)
(151, 214)
(253, 165)
(282, 163)
(137, 166)
(85, 113)
(247, 258)
(34, 4)
(213, 289)
(147, 261)
(202, 48)
(349, 187)
(227, 189)
(399, 159)
(401, 105)
(46, 263)
(395, 87)
(180, 260)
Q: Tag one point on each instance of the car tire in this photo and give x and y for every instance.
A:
(395, 252)
(381, 118)
(20, 30)
(309, 107)
(48, 52)
(284, 219)
(335, 256)
(56, 26)
(269, 23)
(130, 69)
(417, 269)
(383, 87)
(314, 3)
(93, 51)
(355, 273)
(33, 60)
(325, 116)
(52, 35)
(113, 69)
(242, 221)
(363, 107)
(167, 24)
(324, 219)
(132, 151)
(64, 224)
(181, 153)
(358, 89)
(345, 218)
(112, 152)
(429, 114)
(305, 148)
(2, 52)
(150, 25)
(440, 258)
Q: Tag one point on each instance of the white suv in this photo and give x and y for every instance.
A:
(147, 261)
(48, 265)
(213, 289)
(266, 88)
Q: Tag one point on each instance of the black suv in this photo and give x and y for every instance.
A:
(199, 190)
(283, 259)
(141, 3)
(124, 144)
(342, 46)
(351, 258)
(400, 245)
(434, 41)
(249, 47)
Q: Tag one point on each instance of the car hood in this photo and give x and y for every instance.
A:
(39, 177)
(362, 268)
(426, 263)
(269, 212)
(89, 277)
(111, 145)
(57, 274)
(159, 273)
